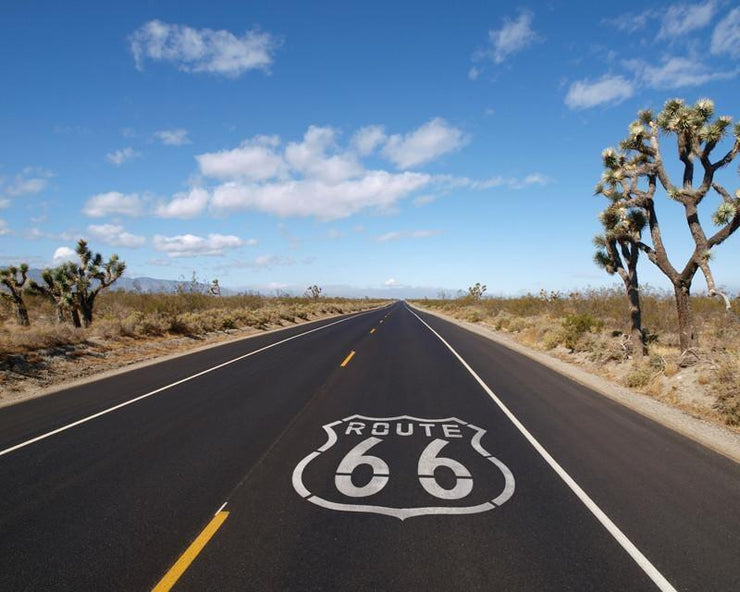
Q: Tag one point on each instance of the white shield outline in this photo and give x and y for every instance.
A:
(403, 513)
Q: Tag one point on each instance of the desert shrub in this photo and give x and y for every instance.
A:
(638, 377)
(575, 326)
(726, 383)
(552, 339)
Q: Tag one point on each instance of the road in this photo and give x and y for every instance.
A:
(387, 450)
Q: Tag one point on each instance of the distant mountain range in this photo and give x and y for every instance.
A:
(148, 285)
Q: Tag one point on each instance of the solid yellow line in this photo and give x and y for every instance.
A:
(348, 358)
(372, 331)
(171, 577)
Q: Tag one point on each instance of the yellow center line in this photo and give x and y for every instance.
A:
(348, 358)
(171, 577)
(372, 331)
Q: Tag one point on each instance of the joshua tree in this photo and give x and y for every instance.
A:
(13, 278)
(476, 292)
(91, 276)
(617, 251)
(313, 292)
(57, 287)
(634, 172)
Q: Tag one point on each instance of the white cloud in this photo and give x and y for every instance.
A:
(186, 204)
(310, 157)
(680, 19)
(118, 157)
(173, 137)
(64, 254)
(431, 140)
(319, 177)
(113, 203)
(675, 72)
(203, 50)
(513, 36)
(392, 236)
(726, 36)
(391, 283)
(4, 203)
(116, 236)
(308, 197)
(29, 181)
(4, 230)
(452, 182)
(632, 22)
(424, 200)
(366, 139)
(254, 160)
(607, 90)
(190, 245)
(264, 262)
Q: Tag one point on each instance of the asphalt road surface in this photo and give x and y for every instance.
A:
(378, 451)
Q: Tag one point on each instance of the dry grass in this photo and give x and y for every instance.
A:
(588, 328)
(129, 327)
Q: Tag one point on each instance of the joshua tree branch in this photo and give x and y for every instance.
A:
(729, 157)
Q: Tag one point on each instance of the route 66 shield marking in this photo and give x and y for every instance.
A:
(439, 467)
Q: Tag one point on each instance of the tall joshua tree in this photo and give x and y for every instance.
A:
(91, 276)
(635, 171)
(14, 278)
(617, 251)
(57, 287)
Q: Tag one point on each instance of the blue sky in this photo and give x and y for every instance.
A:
(367, 144)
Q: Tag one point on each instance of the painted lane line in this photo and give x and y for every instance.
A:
(174, 573)
(348, 358)
(372, 331)
(650, 570)
(167, 387)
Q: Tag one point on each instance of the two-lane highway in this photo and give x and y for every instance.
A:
(388, 451)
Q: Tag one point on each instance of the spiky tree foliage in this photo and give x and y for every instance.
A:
(14, 278)
(313, 291)
(476, 291)
(91, 276)
(634, 172)
(617, 252)
(58, 287)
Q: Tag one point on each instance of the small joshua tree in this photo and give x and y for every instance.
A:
(476, 292)
(634, 172)
(617, 251)
(57, 287)
(14, 278)
(313, 292)
(91, 276)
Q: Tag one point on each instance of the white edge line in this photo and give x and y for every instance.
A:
(650, 570)
(169, 386)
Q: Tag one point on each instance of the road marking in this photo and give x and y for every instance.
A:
(650, 570)
(171, 577)
(372, 331)
(169, 386)
(406, 431)
(348, 358)
(381, 320)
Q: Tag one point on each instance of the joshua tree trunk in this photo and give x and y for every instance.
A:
(76, 318)
(639, 349)
(21, 312)
(686, 336)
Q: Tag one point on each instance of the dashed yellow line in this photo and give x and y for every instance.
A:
(372, 330)
(348, 358)
(171, 577)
